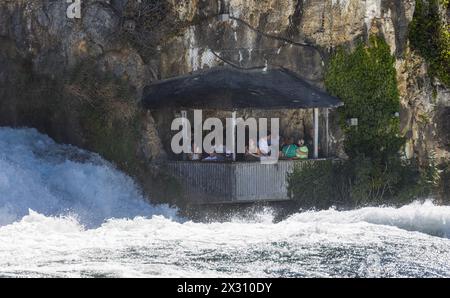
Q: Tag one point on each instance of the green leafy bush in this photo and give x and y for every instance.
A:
(365, 80)
(429, 35)
(355, 182)
(375, 173)
(430, 175)
(312, 184)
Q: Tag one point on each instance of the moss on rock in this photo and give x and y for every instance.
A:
(429, 35)
(365, 79)
(108, 113)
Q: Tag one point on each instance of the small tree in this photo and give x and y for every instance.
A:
(375, 173)
(365, 80)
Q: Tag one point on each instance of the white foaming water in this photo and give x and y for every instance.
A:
(52, 179)
(422, 217)
(66, 212)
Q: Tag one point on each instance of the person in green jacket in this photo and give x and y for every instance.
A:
(302, 150)
(289, 149)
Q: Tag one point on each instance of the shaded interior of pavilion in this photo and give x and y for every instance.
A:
(236, 94)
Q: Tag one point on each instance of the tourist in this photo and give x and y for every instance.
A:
(228, 153)
(263, 145)
(196, 153)
(213, 156)
(302, 151)
(289, 149)
(275, 140)
(282, 143)
(223, 152)
(252, 151)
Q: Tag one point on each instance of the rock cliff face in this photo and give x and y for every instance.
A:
(79, 78)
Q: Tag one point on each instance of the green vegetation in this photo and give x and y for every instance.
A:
(313, 184)
(366, 81)
(356, 182)
(375, 173)
(444, 182)
(109, 115)
(429, 35)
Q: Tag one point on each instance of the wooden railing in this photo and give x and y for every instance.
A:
(236, 182)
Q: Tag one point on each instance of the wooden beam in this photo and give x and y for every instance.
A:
(316, 133)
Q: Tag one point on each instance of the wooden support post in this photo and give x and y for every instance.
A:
(316, 133)
(233, 144)
(185, 132)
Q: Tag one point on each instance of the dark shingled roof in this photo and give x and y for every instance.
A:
(225, 88)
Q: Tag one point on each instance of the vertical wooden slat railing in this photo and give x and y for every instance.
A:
(217, 182)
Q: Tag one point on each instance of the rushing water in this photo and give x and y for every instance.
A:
(66, 212)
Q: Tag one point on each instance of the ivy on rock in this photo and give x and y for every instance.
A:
(429, 35)
(365, 80)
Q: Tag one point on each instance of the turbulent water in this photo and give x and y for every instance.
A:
(66, 212)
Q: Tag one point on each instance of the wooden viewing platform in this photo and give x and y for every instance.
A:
(234, 182)
(233, 90)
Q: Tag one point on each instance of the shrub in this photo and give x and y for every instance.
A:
(365, 80)
(311, 183)
(355, 182)
(444, 182)
(429, 35)
(375, 173)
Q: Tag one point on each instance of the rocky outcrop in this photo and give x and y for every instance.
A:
(425, 110)
(61, 74)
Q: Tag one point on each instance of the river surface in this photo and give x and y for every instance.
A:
(65, 212)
